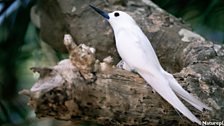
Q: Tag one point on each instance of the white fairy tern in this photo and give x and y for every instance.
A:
(138, 54)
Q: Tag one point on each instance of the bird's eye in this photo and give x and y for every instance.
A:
(116, 14)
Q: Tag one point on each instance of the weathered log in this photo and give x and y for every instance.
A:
(109, 95)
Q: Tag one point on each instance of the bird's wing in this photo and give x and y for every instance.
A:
(138, 57)
(175, 86)
(131, 48)
(184, 94)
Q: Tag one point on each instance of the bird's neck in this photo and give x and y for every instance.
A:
(125, 26)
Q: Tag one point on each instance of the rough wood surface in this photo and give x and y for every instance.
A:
(84, 88)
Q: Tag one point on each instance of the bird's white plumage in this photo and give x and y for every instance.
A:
(137, 52)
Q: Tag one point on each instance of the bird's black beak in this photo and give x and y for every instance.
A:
(102, 13)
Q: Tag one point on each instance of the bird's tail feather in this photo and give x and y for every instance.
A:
(184, 94)
(156, 81)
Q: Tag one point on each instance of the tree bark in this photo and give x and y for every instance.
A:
(83, 88)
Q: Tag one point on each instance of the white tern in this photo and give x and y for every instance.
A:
(138, 54)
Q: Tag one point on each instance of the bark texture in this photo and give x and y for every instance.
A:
(86, 87)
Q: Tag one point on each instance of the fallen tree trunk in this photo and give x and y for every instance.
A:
(83, 88)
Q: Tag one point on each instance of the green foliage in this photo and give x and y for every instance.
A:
(14, 21)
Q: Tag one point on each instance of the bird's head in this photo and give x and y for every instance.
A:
(116, 18)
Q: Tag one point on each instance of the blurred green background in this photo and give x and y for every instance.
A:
(206, 17)
(21, 48)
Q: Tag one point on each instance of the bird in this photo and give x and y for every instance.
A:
(138, 54)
